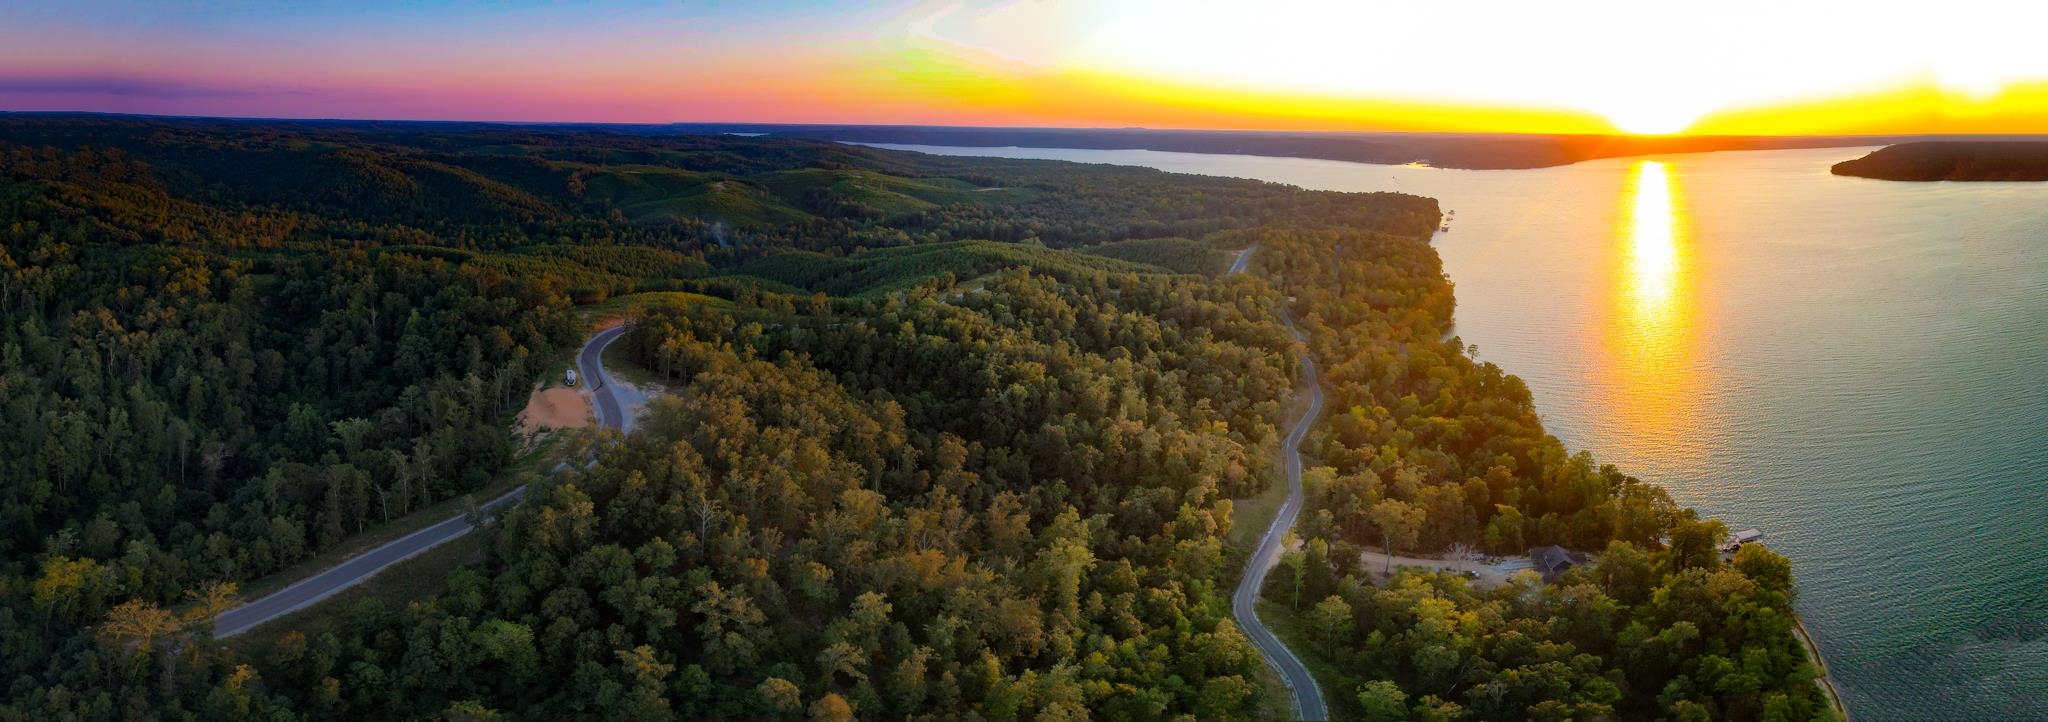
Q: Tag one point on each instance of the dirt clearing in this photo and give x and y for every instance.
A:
(554, 408)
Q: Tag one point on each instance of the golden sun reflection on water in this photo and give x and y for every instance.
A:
(1652, 248)
(1652, 339)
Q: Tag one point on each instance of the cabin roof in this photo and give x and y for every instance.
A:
(1553, 559)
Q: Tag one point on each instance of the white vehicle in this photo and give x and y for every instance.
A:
(569, 378)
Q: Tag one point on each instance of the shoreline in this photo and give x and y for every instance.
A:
(1826, 680)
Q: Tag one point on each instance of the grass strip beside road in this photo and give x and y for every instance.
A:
(1249, 518)
(621, 367)
(1293, 629)
(418, 578)
(532, 465)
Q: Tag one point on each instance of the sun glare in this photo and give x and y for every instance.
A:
(1650, 119)
(1652, 341)
(1652, 243)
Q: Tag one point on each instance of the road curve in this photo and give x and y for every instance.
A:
(604, 399)
(1308, 697)
(308, 591)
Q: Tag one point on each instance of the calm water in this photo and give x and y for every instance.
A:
(1859, 368)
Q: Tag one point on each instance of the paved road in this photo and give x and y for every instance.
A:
(604, 396)
(1243, 257)
(310, 590)
(1308, 697)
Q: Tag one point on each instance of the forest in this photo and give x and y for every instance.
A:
(1428, 450)
(1443, 150)
(1952, 160)
(960, 439)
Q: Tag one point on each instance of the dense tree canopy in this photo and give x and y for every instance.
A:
(1428, 450)
(957, 439)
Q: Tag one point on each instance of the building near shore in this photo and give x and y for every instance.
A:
(1553, 560)
(1737, 539)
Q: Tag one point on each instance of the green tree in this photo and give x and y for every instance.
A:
(1767, 568)
(643, 695)
(1399, 525)
(781, 695)
(1382, 701)
(1333, 623)
(1696, 545)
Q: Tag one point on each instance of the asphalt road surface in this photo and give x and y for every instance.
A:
(1243, 257)
(1308, 698)
(306, 592)
(604, 397)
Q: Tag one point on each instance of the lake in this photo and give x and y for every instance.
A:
(1859, 368)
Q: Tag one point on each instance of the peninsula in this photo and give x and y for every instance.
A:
(1953, 160)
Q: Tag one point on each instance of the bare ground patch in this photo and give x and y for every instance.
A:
(554, 408)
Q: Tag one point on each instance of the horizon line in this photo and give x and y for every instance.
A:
(827, 124)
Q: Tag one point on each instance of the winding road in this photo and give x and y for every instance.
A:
(306, 592)
(604, 396)
(1308, 697)
(610, 409)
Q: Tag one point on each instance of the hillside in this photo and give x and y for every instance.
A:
(890, 270)
(1953, 161)
(946, 438)
(1179, 254)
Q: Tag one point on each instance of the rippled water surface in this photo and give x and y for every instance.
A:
(1858, 368)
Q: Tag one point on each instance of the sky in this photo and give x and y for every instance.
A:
(1782, 67)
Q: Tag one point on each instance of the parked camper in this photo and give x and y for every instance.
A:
(569, 378)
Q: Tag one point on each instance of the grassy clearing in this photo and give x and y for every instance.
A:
(881, 193)
(632, 303)
(1176, 254)
(623, 368)
(736, 281)
(1249, 517)
(883, 271)
(655, 193)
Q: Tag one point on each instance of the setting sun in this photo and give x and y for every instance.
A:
(1652, 120)
(1023, 359)
(1457, 66)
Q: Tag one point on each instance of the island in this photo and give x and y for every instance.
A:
(1953, 160)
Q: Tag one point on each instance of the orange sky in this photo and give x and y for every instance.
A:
(1589, 66)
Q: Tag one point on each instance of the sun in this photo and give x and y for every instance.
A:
(1651, 118)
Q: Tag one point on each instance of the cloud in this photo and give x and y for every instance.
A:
(129, 87)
